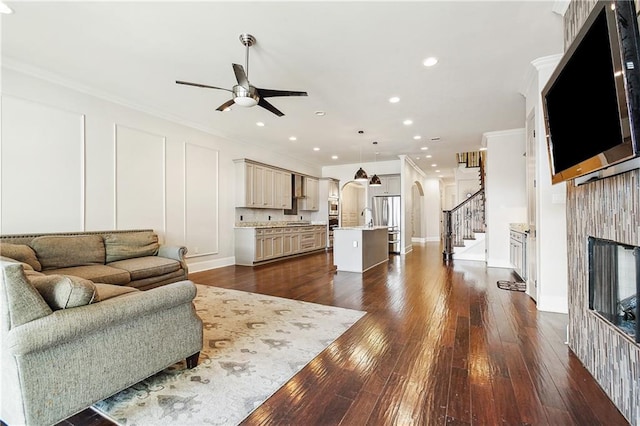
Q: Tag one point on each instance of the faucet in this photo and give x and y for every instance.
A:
(370, 223)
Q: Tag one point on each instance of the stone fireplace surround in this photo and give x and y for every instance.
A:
(606, 209)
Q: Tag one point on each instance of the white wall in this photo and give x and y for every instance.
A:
(345, 172)
(432, 209)
(551, 222)
(505, 190)
(73, 162)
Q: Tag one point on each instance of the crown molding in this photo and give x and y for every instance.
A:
(41, 74)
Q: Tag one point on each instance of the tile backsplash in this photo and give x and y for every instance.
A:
(269, 215)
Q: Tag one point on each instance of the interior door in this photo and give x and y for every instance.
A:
(531, 247)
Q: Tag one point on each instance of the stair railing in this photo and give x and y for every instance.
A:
(462, 222)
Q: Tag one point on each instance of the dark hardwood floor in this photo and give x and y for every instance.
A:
(440, 345)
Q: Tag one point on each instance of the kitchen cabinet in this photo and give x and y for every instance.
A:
(334, 189)
(311, 190)
(282, 189)
(390, 186)
(261, 186)
(257, 245)
(518, 253)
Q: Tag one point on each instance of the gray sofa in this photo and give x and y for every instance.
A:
(133, 258)
(68, 342)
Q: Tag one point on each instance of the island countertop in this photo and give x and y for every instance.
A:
(360, 248)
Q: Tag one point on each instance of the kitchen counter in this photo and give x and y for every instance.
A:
(519, 227)
(274, 224)
(360, 248)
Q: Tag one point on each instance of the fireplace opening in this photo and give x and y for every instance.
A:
(614, 284)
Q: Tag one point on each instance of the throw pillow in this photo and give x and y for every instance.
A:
(64, 291)
(64, 251)
(22, 253)
(131, 244)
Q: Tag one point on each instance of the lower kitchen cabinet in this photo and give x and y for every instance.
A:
(257, 245)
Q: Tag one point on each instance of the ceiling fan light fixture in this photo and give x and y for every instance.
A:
(361, 175)
(375, 181)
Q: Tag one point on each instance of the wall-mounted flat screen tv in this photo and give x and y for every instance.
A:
(591, 102)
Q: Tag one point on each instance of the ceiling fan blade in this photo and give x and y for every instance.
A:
(269, 93)
(266, 105)
(241, 77)
(225, 105)
(200, 85)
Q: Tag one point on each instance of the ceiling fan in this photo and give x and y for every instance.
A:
(244, 93)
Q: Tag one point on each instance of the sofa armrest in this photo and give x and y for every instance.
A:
(69, 324)
(173, 252)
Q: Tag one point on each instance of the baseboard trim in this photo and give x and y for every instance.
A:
(211, 264)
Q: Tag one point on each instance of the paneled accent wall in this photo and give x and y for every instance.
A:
(42, 167)
(140, 180)
(201, 200)
(607, 209)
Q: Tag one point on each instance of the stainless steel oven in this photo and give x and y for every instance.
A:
(334, 207)
(333, 223)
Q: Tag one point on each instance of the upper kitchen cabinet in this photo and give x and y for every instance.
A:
(334, 188)
(261, 186)
(311, 191)
(282, 189)
(390, 186)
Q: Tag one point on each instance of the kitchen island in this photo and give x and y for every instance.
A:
(360, 248)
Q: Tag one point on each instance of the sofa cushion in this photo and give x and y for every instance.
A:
(23, 300)
(22, 253)
(64, 291)
(69, 250)
(148, 266)
(95, 273)
(129, 245)
(109, 291)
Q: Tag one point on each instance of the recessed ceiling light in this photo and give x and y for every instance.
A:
(417, 158)
(407, 122)
(417, 137)
(429, 156)
(334, 157)
(430, 61)
(260, 124)
(394, 99)
(484, 148)
(293, 138)
(424, 148)
(320, 113)
(5, 10)
(437, 171)
(434, 165)
(316, 149)
(440, 176)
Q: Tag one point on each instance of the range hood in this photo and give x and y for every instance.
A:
(298, 187)
(297, 193)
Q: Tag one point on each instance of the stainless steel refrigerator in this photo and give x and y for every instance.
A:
(386, 212)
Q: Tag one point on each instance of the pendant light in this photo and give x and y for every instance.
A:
(375, 180)
(361, 175)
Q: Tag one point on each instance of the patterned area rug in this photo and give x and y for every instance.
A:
(253, 344)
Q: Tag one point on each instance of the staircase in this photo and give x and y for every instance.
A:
(464, 225)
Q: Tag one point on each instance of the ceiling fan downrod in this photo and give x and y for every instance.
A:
(247, 40)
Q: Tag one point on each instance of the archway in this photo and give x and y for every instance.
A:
(352, 203)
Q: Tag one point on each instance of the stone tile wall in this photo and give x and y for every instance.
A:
(609, 209)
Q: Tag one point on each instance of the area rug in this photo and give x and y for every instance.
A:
(512, 285)
(253, 344)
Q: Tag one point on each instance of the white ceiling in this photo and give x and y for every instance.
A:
(351, 57)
